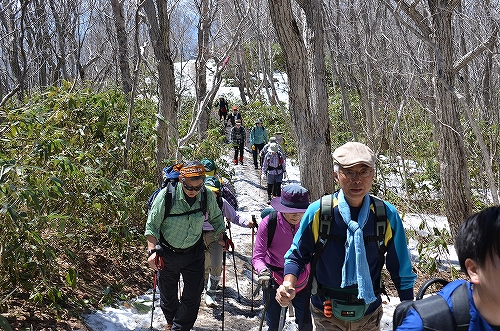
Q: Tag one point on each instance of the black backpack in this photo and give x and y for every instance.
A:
(434, 310)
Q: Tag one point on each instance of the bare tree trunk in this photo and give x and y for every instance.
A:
(308, 101)
(166, 124)
(61, 40)
(449, 132)
(205, 23)
(122, 43)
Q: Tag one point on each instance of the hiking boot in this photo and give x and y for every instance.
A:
(235, 161)
(256, 167)
(241, 160)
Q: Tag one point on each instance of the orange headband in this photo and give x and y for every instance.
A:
(192, 171)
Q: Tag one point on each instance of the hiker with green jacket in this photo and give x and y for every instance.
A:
(180, 236)
(347, 272)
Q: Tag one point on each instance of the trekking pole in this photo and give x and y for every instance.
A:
(254, 221)
(234, 260)
(159, 265)
(223, 280)
(263, 312)
(281, 324)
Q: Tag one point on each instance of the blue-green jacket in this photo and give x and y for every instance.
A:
(258, 135)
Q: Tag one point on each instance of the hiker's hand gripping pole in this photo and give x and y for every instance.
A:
(286, 285)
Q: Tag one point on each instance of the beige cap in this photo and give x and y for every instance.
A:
(352, 153)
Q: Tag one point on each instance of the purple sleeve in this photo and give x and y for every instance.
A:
(260, 246)
(231, 214)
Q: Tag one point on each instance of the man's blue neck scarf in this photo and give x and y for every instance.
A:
(355, 269)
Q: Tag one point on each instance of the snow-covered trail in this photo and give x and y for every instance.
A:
(239, 315)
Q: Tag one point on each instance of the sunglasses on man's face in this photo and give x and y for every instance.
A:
(192, 188)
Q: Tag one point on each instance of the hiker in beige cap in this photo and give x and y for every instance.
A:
(360, 233)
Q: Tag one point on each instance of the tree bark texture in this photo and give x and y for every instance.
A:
(122, 43)
(449, 132)
(308, 110)
(166, 124)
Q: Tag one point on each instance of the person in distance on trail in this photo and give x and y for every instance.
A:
(223, 109)
(268, 260)
(258, 138)
(180, 236)
(346, 274)
(478, 249)
(235, 115)
(273, 170)
(238, 138)
(264, 150)
(213, 251)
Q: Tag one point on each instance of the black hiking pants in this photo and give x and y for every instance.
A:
(182, 314)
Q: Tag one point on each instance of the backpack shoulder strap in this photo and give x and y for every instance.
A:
(461, 306)
(380, 230)
(169, 198)
(271, 226)
(436, 314)
(380, 218)
(325, 222)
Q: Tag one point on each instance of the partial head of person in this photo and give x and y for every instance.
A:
(273, 147)
(266, 211)
(292, 203)
(213, 184)
(478, 249)
(354, 165)
(209, 165)
(272, 139)
(235, 109)
(237, 122)
(258, 122)
(192, 177)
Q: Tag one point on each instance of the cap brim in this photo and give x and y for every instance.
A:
(356, 163)
(276, 204)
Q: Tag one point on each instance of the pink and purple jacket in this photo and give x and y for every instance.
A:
(273, 257)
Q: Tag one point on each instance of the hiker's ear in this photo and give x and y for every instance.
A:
(472, 270)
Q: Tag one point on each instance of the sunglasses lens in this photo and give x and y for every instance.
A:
(192, 188)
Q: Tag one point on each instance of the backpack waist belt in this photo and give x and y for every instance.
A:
(280, 167)
(165, 244)
(341, 296)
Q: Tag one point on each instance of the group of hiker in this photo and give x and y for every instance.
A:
(324, 257)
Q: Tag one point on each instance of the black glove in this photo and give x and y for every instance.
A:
(264, 277)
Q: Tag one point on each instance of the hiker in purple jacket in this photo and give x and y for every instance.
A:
(268, 260)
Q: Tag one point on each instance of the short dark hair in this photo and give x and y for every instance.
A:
(479, 236)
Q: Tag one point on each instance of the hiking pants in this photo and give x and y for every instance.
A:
(239, 149)
(300, 303)
(213, 256)
(274, 184)
(223, 115)
(256, 152)
(370, 322)
(182, 314)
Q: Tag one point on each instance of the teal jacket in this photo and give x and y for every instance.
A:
(258, 135)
